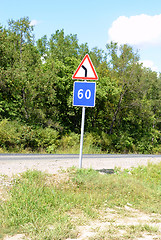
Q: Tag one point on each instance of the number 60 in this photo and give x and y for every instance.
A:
(81, 94)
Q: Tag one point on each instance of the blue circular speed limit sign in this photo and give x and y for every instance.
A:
(84, 94)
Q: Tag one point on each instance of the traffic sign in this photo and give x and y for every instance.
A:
(84, 94)
(86, 70)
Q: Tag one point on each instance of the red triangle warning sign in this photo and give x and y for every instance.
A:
(86, 70)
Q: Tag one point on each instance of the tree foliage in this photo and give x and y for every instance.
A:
(36, 91)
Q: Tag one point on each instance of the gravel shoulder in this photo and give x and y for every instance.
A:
(18, 164)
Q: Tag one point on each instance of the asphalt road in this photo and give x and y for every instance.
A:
(51, 163)
(15, 156)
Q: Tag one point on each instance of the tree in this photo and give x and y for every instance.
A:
(42, 46)
(125, 68)
(22, 32)
(62, 46)
(17, 75)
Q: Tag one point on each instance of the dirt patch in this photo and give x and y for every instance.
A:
(15, 237)
(121, 224)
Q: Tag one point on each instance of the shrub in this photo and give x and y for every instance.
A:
(16, 137)
(69, 143)
(9, 135)
(47, 138)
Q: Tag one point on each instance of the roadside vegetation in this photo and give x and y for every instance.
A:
(36, 92)
(58, 206)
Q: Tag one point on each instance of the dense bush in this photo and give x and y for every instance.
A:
(16, 137)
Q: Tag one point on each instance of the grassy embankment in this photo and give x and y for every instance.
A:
(53, 206)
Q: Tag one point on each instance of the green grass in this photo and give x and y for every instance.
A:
(50, 207)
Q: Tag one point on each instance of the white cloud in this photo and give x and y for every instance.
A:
(34, 22)
(149, 64)
(136, 30)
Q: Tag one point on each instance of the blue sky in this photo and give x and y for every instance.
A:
(95, 22)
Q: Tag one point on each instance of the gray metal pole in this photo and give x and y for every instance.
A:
(81, 139)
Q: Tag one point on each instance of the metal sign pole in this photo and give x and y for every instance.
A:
(81, 140)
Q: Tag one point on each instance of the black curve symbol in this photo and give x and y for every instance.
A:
(85, 69)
